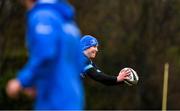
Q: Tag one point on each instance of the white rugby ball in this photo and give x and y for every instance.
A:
(133, 77)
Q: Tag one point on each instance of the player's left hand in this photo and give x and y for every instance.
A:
(13, 88)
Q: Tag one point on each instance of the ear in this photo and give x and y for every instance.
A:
(85, 53)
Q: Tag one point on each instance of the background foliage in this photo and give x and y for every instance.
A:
(142, 34)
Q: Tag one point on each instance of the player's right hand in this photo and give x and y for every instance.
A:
(123, 75)
(30, 92)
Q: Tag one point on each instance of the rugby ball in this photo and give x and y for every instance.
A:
(132, 78)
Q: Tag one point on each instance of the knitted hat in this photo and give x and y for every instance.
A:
(88, 41)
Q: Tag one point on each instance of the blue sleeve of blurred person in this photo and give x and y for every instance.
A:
(41, 43)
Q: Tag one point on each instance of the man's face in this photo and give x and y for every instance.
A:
(91, 52)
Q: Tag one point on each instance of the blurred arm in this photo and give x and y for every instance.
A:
(41, 39)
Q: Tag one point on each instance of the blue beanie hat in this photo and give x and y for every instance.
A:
(88, 41)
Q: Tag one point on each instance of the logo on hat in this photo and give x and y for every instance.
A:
(93, 41)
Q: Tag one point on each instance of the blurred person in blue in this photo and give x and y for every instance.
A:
(89, 45)
(53, 66)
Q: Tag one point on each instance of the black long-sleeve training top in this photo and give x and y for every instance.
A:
(91, 70)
